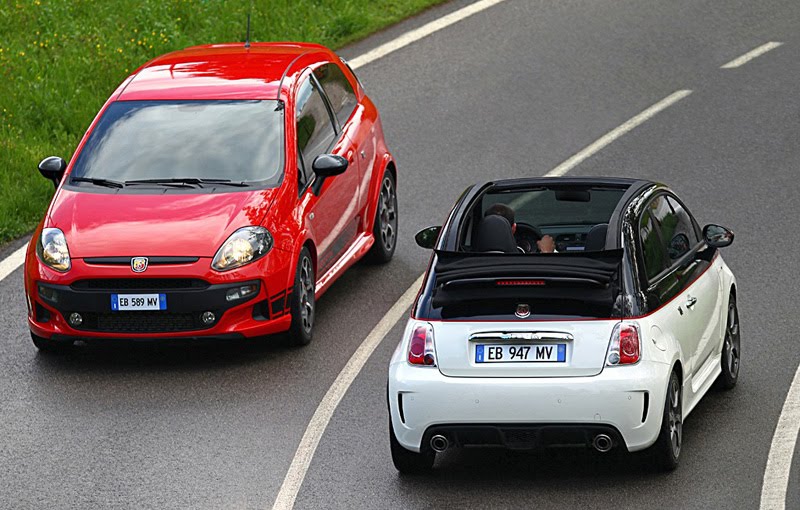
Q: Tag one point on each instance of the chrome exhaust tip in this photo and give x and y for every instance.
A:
(439, 443)
(602, 443)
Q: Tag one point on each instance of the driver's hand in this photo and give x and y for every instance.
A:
(546, 244)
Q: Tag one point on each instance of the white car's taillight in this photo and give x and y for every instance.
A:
(625, 347)
(420, 348)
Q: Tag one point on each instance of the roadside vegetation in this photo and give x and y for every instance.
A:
(60, 59)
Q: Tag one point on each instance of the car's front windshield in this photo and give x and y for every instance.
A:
(240, 141)
(549, 207)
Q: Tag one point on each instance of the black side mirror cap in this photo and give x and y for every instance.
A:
(717, 236)
(326, 165)
(426, 238)
(53, 169)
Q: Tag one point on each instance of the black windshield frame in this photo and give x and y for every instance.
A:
(272, 133)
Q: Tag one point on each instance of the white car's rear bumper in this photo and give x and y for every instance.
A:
(616, 397)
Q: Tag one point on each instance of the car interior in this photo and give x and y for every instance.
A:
(575, 217)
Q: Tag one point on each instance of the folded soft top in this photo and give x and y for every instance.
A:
(586, 276)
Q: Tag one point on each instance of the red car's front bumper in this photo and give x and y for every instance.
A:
(190, 290)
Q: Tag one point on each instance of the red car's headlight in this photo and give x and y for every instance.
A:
(244, 246)
(53, 251)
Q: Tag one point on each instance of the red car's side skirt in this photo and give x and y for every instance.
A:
(358, 249)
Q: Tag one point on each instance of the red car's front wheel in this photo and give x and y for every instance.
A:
(302, 303)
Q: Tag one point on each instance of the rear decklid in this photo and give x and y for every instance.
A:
(522, 315)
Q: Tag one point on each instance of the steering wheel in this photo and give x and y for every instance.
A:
(526, 237)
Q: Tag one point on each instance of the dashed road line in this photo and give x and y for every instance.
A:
(750, 55)
(618, 131)
(779, 463)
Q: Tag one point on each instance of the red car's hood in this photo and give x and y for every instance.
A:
(170, 224)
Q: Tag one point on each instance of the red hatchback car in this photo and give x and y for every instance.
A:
(218, 193)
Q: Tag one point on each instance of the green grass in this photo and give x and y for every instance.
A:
(60, 60)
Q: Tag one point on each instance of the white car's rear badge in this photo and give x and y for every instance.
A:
(523, 311)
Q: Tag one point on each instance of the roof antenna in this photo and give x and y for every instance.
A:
(247, 38)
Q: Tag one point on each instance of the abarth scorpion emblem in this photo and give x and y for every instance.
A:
(523, 311)
(138, 264)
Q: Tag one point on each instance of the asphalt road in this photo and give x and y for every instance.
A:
(512, 91)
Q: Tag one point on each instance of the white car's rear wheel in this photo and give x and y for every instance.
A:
(408, 462)
(667, 448)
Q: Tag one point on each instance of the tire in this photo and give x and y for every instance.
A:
(302, 305)
(47, 346)
(731, 349)
(667, 448)
(408, 462)
(385, 227)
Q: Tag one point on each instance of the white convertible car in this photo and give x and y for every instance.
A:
(563, 311)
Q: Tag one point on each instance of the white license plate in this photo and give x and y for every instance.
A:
(127, 302)
(505, 353)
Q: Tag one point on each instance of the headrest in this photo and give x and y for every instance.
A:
(493, 233)
(596, 238)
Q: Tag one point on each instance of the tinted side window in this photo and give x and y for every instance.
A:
(652, 248)
(339, 91)
(677, 231)
(683, 235)
(315, 130)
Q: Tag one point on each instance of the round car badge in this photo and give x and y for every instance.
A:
(523, 311)
(139, 264)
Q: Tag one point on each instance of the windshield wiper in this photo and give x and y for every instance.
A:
(98, 182)
(189, 180)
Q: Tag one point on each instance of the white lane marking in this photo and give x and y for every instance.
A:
(750, 55)
(615, 133)
(322, 416)
(423, 31)
(10, 264)
(607, 139)
(779, 463)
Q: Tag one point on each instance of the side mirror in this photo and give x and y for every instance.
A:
(426, 238)
(53, 169)
(326, 165)
(717, 236)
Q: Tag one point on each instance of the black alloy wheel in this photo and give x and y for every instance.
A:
(667, 448)
(385, 229)
(303, 303)
(731, 349)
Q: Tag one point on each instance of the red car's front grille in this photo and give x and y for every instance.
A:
(139, 284)
(141, 322)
